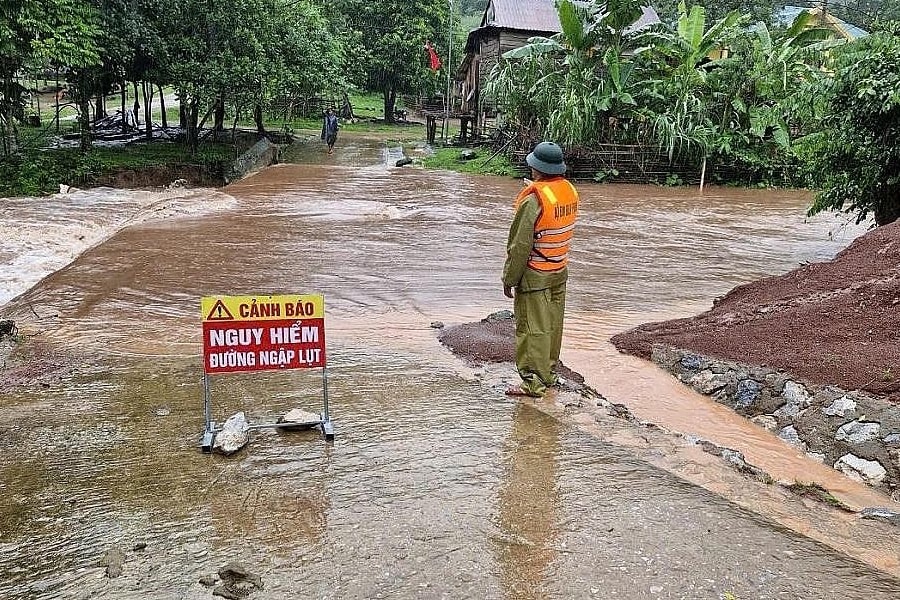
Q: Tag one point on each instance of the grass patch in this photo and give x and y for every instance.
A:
(368, 105)
(400, 132)
(39, 172)
(160, 154)
(449, 159)
(816, 492)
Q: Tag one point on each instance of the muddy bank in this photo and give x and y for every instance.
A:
(212, 175)
(813, 355)
(832, 323)
(493, 340)
(216, 174)
(27, 367)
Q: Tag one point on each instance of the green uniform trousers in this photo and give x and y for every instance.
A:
(539, 328)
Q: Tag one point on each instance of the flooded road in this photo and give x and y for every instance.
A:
(437, 486)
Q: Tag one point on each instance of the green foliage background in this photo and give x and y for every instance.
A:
(721, 83)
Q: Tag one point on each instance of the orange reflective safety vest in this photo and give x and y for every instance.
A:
(554, 226)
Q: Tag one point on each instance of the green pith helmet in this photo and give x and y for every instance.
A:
(547, 157)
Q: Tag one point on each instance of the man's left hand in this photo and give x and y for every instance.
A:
(508, 291)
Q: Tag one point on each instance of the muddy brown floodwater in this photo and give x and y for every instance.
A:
(437, 486)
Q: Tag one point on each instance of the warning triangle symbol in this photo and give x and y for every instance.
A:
(220, 312)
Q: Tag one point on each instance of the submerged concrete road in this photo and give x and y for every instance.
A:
(437, 486)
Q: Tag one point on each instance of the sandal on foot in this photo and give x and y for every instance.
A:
(517, 390)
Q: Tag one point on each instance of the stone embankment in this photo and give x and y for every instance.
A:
(855, 432)
(813, 355)
(262, 154)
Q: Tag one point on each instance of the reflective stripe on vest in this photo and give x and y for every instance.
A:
(554, 225)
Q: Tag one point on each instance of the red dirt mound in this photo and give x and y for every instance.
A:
(836, 322)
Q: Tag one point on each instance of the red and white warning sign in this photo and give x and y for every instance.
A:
(261, 333)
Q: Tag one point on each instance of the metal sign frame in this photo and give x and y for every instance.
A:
(211, 428)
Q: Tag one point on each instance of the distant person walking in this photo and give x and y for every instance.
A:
(536, 268)
(330, 126)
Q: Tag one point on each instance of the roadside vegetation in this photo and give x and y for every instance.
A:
(790, 103)
(39, 172)
(477, 162)
(717, 86)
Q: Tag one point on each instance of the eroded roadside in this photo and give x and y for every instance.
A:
(852, 524)
(811, 355)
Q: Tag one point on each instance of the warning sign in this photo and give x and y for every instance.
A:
(219, 312)
(260, 333)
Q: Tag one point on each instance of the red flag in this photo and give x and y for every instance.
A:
(433, 59)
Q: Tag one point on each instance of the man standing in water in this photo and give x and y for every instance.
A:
(535, 272)
(330, 126)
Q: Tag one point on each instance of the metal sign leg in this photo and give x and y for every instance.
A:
(327, 425)
(209, 429)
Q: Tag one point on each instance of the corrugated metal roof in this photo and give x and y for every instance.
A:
(648, 17)
(542, 16)
(847, 30)
(526, 15)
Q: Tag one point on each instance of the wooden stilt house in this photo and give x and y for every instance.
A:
(506, 25)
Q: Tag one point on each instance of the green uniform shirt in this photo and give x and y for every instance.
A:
(518, 247)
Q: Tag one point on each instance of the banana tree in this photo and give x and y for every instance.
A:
(687, 55)
(780, 63)
(573, 82)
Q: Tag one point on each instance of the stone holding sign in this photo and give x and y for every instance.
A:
(234, 435)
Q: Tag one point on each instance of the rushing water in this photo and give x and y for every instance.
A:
(437, 485)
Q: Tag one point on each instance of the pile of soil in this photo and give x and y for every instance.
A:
(836, 322)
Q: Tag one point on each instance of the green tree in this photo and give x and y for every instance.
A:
(471, 7)
(855, 157)
(389, 44)
(759, 10)
(685, 116)
(40, 33)
(754, 110)
(130, 49)
(245, 53)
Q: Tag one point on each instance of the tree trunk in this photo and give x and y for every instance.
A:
(390, 101)
(99, 107)
(258, 118)
(8, 131)
(147, 89)
(162, 108)
(191, 114)
(219, 115)
(124, 101)
(137, 106)
(887, 211)
(7, 122)
(58, 92)
(84, 117)
(182, 114)
(237, 116)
